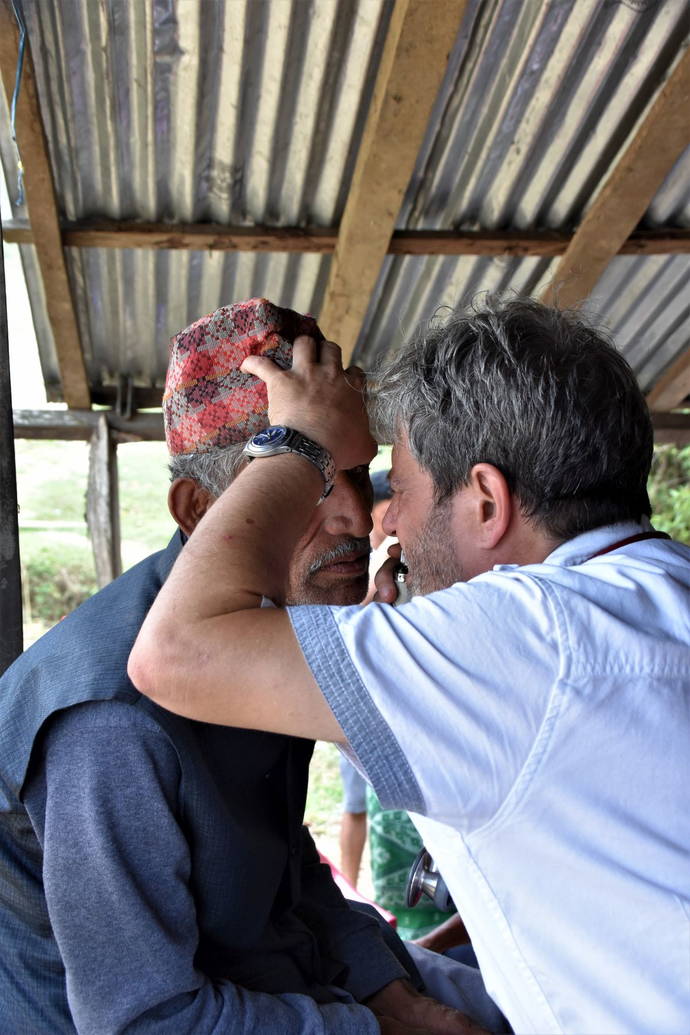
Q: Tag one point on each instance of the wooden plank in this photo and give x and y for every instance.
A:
(316, 240)
(198, 237)
(669, 241)
(661, 138)
(415, 55)
(667, 437)
(517, 243)
(672, 387)
(671, 429)
(43, 213)
(16, 232)
(102, 504)
(11, 636)
(670, 422)
(81, 424)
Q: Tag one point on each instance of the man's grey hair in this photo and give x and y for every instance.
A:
(214, 469)
(537, 392)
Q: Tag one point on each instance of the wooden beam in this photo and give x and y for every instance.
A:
(415, 55)
(518, 243)
(671, 421)
(320, 241)
(102, 504)
(11, 636)
(183, 236)
(672, 387)
(671, 428)
(81, 425)
(660, 139)
(43, 213)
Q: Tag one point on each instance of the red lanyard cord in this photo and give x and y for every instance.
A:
(631, 539)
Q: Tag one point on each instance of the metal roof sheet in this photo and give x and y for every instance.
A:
(243, 112)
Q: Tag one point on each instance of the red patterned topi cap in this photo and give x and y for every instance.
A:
(208, 400)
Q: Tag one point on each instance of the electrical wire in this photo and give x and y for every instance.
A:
(19, 15)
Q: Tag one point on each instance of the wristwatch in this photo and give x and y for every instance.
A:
(279, 439)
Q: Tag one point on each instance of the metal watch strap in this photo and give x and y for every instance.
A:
(296, 442)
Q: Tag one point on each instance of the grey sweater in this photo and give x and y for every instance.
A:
(117, 883)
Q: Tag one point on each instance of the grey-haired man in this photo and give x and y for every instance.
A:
(534, 714)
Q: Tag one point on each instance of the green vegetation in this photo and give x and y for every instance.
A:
(57, 562)
(325, 793)
(55, 578)
(669, 491)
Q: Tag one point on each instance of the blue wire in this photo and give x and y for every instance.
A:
(19, 15)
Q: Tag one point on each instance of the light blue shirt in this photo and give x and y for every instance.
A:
(538, 720)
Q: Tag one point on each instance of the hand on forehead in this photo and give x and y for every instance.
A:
(320, 399)
(209, 401)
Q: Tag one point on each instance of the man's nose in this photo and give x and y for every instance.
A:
(389, 520)
(347, 508)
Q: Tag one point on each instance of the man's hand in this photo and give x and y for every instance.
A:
(320, 399)
(386, 588)
(398, 1003)
(447, 935)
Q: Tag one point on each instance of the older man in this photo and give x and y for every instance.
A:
(155, 874)
(535, 713)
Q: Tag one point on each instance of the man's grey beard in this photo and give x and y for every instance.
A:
(343, 550)
(430, 558)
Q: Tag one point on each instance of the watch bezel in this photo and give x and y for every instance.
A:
(275, 444)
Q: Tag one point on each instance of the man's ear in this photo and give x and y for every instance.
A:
(188, 502)
(494, 503)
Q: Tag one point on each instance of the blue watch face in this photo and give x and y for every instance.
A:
(271, 436)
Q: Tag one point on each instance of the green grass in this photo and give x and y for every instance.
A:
(57, 561)
(144, 481)
(325, 792)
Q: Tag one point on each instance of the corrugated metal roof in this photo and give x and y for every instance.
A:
(251, 112)
(539, 100)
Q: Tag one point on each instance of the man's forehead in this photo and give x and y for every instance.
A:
(402, 461)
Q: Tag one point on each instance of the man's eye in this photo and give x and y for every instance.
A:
(360, 472)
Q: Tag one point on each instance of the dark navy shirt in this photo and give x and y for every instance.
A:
(155, 875)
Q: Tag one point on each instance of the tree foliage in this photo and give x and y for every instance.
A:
(669, 491)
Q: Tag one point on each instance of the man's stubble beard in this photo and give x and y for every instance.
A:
(430, 558)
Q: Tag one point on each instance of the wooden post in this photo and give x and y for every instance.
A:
(102, 504)
(11, 639)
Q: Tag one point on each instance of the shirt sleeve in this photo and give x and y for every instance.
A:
(103, 801)
(441, 699)
(345, 934)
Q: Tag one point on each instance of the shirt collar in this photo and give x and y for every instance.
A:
(584, 546)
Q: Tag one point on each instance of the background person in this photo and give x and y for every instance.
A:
(353, 824)
(393, 839)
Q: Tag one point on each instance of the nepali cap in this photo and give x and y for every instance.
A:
(208, 400)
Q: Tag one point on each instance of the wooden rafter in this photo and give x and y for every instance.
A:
(671, 427)
(316, 240)
(148, 427)
(102, 504)
(43, 213)
(662, 136)
(414, 60)
(671, 389)
(74, 425)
